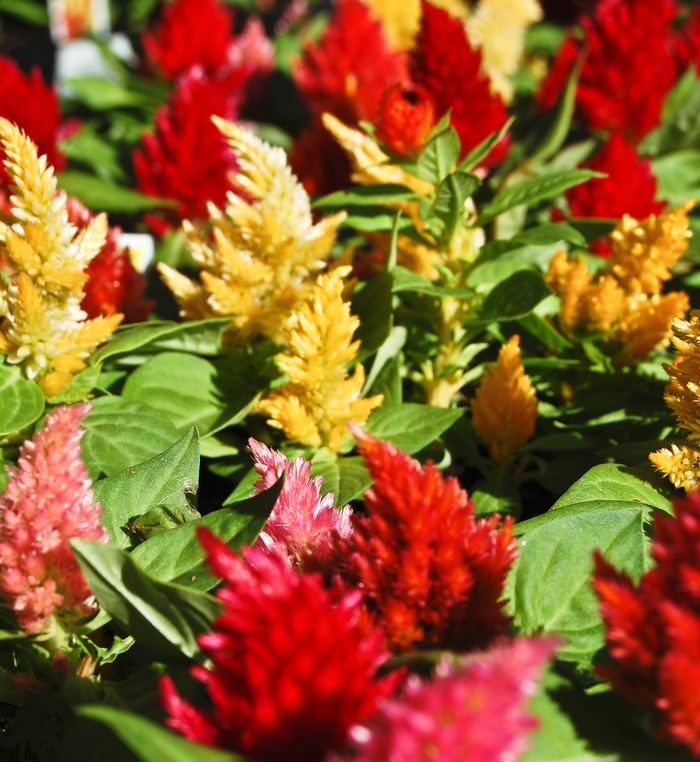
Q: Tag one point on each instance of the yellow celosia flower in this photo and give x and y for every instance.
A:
(43, 327)
(498, 28)
(401, 18)
(680, 465)
(504, 409)
(320, 398)
(262, 255)
(643, 252)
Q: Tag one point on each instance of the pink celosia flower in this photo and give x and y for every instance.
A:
(292, 669)
(302, 522)
(47, 503)
(474, 713)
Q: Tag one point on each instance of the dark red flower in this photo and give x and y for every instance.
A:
(653, 628)
(33, 107)
(629, 66)
(347, 71)
(292, 668)
(431, 574)
(187, 159)
(114, 284)
(318, 161)
(687, 43)
(445, 64)
(406, 116)
(629, 188)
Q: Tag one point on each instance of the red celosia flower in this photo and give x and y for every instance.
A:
(114, 284)
(292, 668)
(474, 713)
(406, 116)
(653, 629)
(188, 159)
(629, 188)
(47, 503)
(302, 522)
(687, 43)
(446, 65)
(191, 33)
(318, 161)
(33, 107)
(349, 69)
(626, 75)
(431, 573)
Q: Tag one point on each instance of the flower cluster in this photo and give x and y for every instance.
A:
(320, 398)
(292, 669)
(504, 409)
(302, 522)
(43, 327)
(431, 573)
(652, 627)
(625, 295)
(47, 503)
(265, 248)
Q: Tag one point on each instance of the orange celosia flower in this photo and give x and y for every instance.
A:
(504, 410)
(406, 116)
(431, 574)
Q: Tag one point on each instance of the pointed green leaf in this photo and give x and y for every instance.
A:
(411, 426)
(515, 296)
(22, 400)
(438, 157)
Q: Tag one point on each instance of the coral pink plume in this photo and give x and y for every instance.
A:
(47, 503)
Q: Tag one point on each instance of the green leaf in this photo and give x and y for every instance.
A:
(592, 229)
(373, 306)
(101, 156)
(100, 195)
(558, 132)
(551, 232)
(613, 481)
(681, 127)
(22, 400)
(514, 297)
(78, 388)
(120, 433)
(187, 390)
(161, 616)
(549, 587)
(478, 154)
(165, 480)
(678, 176)
(151, 742)
(177, 556)
(452, 192)
(372, 219)
(438, 157)
(27, 11)
(544, 332)
(496, 495)
(405, 280)
(369, 195)
(389, 350)
(411, 426)
(346, 478)
(100, 94)
(532, 191)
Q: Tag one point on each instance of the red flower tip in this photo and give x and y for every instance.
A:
(347, 71)
(292, 667)
(653, 628)
(629, 188)
(446, 65)
(406, 116)
(430, 572)
(33, 107)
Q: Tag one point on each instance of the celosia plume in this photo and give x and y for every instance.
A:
(187, 160)
(47, 503)
(504, 410)
(653, 628)
(302, 522)
(476, 712)
(625, 77)
(431, 574)
(265, 249)
(320, 398)
(406, 116)
(292, 670)
(43, 327)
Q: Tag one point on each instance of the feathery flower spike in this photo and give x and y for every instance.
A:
(47, 503)
(431, 574)
(653, 628)
(320, 398)
(43, 327)
(265, 249)
(504, 410)
(302, 522)
(292, 669)
(476, 712)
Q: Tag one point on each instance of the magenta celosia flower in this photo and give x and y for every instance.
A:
(474, 713)
(292, 669)
(302, 521)
(47, 503)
